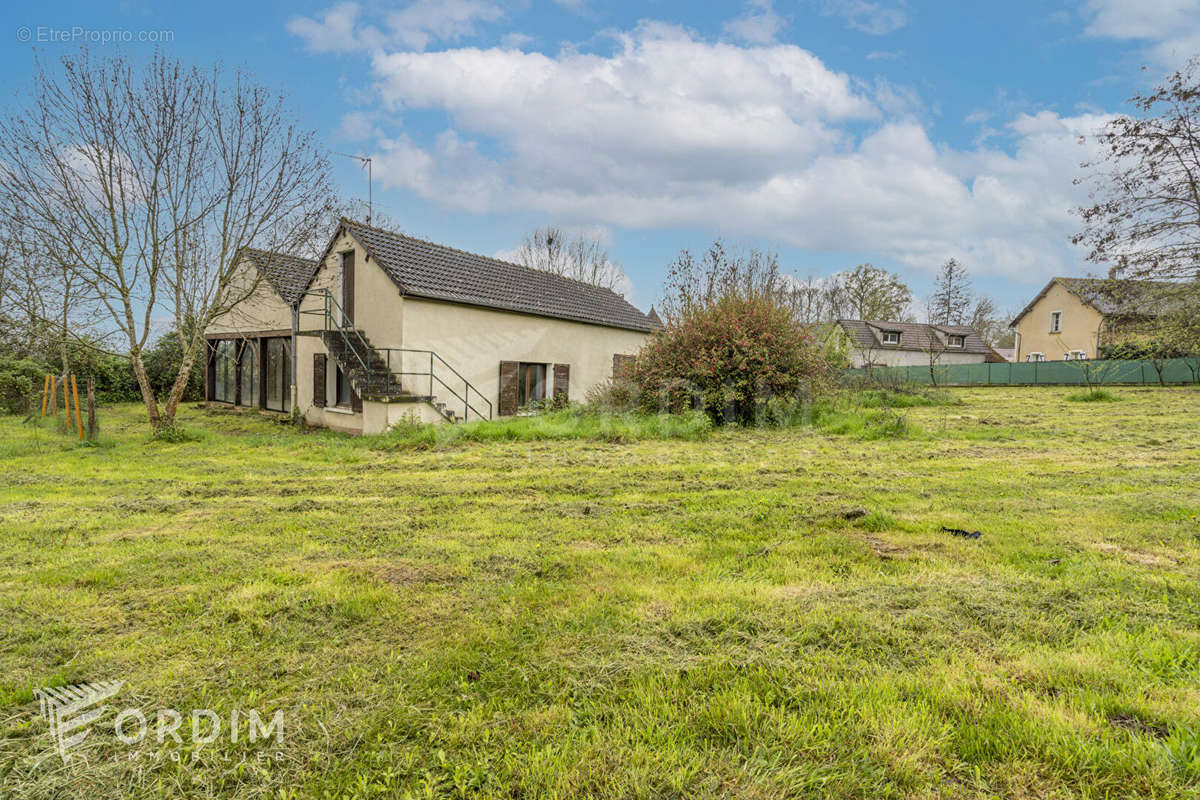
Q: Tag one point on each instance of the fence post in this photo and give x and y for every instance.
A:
(78, 415)
(91, 398)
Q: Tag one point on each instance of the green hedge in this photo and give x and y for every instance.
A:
(1043, 373)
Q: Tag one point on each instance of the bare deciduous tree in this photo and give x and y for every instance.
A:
(143, 185)
(693, 282)
(809, 299)
(578, 256)
(1144, 220)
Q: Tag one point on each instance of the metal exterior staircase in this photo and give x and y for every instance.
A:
(379, 373)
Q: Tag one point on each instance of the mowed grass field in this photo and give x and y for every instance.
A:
(758, 613)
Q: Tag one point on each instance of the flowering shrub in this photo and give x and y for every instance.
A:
(729, 356)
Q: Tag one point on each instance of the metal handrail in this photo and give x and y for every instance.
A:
(330, 306)
(327, 312)
(468, 387)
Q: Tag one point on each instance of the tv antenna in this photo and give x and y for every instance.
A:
(366, 162)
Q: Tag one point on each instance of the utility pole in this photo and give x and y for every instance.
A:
(366, 162)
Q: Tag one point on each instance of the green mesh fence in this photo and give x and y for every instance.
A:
(1043, 373)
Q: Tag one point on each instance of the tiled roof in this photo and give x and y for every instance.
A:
(424, 269)
(288, 275)
(916, 336)
(1115, 297)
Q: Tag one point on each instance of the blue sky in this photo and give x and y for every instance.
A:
(832, 131)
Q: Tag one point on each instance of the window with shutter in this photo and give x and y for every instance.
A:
(562, 384)
(508, 388)
(623, 366)
(319, 380)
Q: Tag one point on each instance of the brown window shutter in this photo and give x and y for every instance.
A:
(623, 366)
(508, 388)
(562, 383)
(319, 380)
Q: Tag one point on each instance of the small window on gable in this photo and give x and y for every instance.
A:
(891, 337)
(957, 340)
(1036, 357)
(1056, 322)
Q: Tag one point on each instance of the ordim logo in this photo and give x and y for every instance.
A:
(72, 712)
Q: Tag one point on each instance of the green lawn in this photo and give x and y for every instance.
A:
(755, 613)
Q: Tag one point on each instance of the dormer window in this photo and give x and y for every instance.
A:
(891, 337)
(957, 340)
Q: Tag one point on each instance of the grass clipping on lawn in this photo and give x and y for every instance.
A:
(749, 612)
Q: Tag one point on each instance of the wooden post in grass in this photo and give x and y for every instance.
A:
(91, 394)
(45, 393)
(78, 415)
(53, 397)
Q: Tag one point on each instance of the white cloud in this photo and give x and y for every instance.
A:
(672, 130)
(357, 126)
(759, 25)
(516, 40)
(334, 32)
(1170, 28)
(415, 26)
(578, 6)
(876, 19)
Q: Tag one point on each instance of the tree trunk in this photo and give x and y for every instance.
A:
(184, 376)
(139, 371)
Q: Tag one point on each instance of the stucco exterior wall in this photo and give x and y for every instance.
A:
(475, 340)
(911, 358)
(329, 278)
(1080, 327)
(261, 310)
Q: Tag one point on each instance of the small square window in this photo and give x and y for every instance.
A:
(1056, 322)
(957, 341)
(891, 337)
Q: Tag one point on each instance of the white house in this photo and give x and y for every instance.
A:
(905, 344)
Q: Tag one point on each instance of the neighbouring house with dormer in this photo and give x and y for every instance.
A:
(909, 344)
(1071, 319)
(384, 327)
